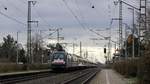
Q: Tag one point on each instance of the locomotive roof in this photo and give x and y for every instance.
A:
(59, 52)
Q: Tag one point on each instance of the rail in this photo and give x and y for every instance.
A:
(11, 78)
(82, 78)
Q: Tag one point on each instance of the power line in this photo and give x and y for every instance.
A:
(78, 20)
(39, 15)
(76, 2)
(11, 18)
(14, 6)
(2, 4)
(22, 2)
(94, 7)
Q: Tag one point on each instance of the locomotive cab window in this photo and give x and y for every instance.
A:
(58, 56)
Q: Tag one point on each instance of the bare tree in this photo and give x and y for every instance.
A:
(37, 48)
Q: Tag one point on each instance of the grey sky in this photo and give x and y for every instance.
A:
(55, 14)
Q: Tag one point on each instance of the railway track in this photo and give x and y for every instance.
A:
(50, 77)
(20, 77)
(64, 78)
(82, 78)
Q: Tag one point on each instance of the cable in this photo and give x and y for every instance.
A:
(81, 23)
(77, 19)
(39, 15)
(17, 8)
(93, 7)
(49, 34)
(22, 2)
(76, 2)
(11, 18)
(2, 5)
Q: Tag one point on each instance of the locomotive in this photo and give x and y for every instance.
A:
(61, 60)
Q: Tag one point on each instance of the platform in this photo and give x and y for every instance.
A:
(23, 72)
(108, 76)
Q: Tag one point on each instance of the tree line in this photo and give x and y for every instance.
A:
(8, 50)
(10, 47)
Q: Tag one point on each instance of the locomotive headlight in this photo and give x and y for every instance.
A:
(58, 62)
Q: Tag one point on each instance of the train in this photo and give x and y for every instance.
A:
(61, 60)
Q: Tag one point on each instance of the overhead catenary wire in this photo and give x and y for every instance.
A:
(17, 8)
(40, 16)
(8, 16)
(23, 2)
(76, 2)
(78, 20)
(49, 34)
(76, 17)
(13, 19)
(2, 5)
(92, 5)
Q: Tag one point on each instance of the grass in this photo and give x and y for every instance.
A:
(132, 80)
(12, 67)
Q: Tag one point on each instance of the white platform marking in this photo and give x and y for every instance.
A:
(107, 79)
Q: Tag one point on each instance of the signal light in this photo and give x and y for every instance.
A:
(93, 6)
(104, 50)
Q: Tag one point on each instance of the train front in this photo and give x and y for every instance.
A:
(58, 60)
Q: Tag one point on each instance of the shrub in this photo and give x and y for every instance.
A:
(12, 67)
(126, 67)
(135, 68)
(39, 66)
(144, 70)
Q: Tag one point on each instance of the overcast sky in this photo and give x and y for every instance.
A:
(57, 14)
(71, 15)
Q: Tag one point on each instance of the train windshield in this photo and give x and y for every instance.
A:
(58, 56)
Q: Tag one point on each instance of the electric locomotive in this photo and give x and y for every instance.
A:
(59, 60)
(62, 60)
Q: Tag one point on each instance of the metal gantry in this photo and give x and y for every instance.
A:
(29, 32)
(29, 21)
(120, 24)
(142, 21)
(58, 34)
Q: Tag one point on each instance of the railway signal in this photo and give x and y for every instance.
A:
(105, 50)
